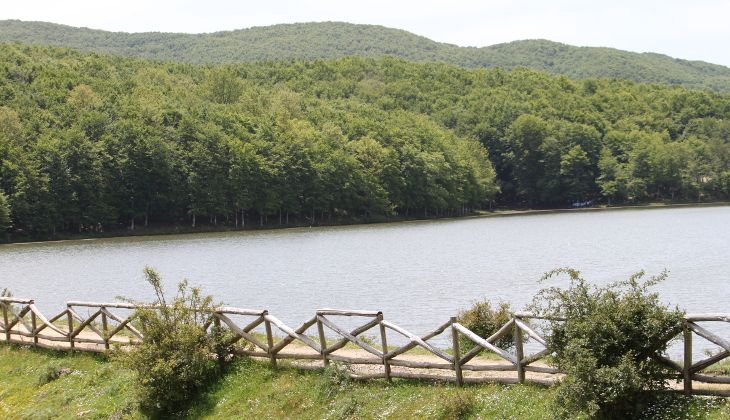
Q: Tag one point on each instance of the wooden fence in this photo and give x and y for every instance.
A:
(22, 322)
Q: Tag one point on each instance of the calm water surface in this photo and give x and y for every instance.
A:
(417, 273)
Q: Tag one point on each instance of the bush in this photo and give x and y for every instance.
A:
(51, 373)
(607, 343)
(179, 356)
(460, 405)
(335, 378)
(485, 320)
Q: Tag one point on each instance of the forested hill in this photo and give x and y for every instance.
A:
(96, 141)
(328, 40)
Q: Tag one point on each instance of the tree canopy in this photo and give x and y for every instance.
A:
(330, 40)
(90, 142)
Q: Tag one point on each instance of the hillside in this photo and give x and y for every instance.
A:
(329, 40)
(91, 142)
(34, 385)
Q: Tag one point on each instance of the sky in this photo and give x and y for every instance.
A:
(696, 29)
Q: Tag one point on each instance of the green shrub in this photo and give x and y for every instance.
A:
(460, 405)
(485, 320)
(335, 378)
(51, 373)
(178, 356)
(606, 344)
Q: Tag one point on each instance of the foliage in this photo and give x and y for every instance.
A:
(4, 212)
(93, 143)
(178, 356)
(329, 40)
(606, 343)
(335, 378)
(485, 320)
(461, 405)
(53, 372)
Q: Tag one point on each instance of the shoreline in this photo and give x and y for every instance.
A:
(154, 232)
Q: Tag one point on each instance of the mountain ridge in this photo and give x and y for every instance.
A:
(329, 40)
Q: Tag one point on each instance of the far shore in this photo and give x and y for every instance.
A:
(186, 230)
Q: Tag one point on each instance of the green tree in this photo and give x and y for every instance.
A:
(223, 86)
(5, 220)
(576, 171)
(525, 137)
(612, 178)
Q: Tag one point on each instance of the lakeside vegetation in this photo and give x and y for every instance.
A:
(53, 384)
(93, 387)
(91, 142)
(331, 40)
(603, 338)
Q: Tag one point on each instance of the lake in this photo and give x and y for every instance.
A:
(418, 273)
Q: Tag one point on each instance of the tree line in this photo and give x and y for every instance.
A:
(92, 142)
(332, 40)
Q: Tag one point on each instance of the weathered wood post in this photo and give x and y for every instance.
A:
(105, 328)
(322, 342)
(519, 352)
(687, 365)
(5, 320)
(269, 342)
(457, 353)
(70, 319)
(34, 327)
(384, 342)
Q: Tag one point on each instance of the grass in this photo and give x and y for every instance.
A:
(38, 383)
(48, 384)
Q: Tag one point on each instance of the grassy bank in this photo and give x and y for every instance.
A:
(158, 230)
(47, 384)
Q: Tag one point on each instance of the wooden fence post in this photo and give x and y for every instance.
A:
(384, 341)
(270, 342)
(70, 319)
(322, 342)
(34, 326)
(687, 365)
(457, 353)
(105, 328)
(5, 321)
(519, 353)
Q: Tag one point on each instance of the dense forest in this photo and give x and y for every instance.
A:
(330, 40)
(90, 142)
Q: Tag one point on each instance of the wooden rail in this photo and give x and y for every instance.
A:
(101, 328)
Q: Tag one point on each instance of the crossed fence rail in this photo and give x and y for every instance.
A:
(23, 322)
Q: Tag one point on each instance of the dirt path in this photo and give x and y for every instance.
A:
(500, 369)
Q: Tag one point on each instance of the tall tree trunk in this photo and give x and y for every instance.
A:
(193, 219)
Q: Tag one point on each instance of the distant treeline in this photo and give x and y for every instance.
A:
(331, 40)
(89, 142)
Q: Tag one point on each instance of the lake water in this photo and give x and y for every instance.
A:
(418, 273)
